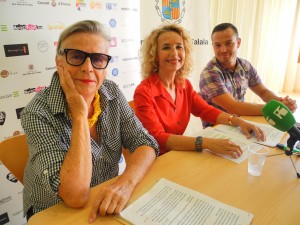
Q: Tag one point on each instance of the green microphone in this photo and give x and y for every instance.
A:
(278, 115)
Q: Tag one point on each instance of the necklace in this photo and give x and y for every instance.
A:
(97, 110)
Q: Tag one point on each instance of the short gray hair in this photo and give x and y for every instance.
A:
(84, 26)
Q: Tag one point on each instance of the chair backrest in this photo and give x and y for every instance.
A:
(14, 155)
(131, 103)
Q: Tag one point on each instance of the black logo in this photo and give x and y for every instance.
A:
(4, 218)
(16, 50)
(2, 117)
(11, 178)
(18, 111)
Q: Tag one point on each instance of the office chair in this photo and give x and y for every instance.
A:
(14, 155)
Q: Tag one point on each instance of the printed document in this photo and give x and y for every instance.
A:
(168, 203)
(210, 132)
(273, 136)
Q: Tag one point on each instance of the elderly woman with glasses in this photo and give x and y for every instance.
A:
(76, 129)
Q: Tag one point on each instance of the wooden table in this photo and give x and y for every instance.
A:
(273, 198)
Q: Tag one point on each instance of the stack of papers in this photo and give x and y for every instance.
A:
(168, 203)
(273, 137)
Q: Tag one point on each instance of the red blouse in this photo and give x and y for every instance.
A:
(161, 116)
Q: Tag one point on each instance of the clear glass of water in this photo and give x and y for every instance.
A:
(256, 159)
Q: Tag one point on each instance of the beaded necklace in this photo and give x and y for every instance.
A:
(97, 110)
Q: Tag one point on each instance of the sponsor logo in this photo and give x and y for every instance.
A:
(112, 22)
(18, 112)
(11, 178)
(27, 27)
(95, 4)
(199, 41)
(129, 9)
(31, 70)
(29, 90)
(4, 219)
(129, 59)
(39, 88)
(53, 3)
(18, 212)
(17, 133)
(2, 117)
(43, 2)
(14, 94)
(80, 3)
(59, 26)
(129, 85)
(4, 73)
(3, 28)
(114, 59)
(5, 199)
(22, 3)
(125, 40)
(62, 3)
(43, 46)
(115, 72)
(170, 10)
(111, 6)
(16, 50)
(32, 90)
(113, 42)
(50, 68)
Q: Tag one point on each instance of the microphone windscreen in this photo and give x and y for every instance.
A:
(278, 115)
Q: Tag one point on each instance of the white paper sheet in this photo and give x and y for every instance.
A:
(273, 136)
(168, 203)
(210, 132)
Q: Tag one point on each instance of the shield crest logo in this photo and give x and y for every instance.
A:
(170, 10)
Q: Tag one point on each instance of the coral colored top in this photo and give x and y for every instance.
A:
(161, 116)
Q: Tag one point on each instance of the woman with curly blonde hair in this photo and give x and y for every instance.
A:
(165, 99)
(149, 52)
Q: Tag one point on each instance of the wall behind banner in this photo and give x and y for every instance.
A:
(29, 32)
(194, 16)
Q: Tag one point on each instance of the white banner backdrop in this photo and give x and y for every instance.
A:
(11, 199)
(194, 17)
(29, 32)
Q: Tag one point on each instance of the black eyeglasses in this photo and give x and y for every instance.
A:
(77, 57)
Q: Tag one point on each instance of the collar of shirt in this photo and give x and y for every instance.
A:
(57, 101)
(158, 88)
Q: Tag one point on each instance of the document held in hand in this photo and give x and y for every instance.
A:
(168, 203)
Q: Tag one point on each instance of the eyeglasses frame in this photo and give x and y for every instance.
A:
(66, 50)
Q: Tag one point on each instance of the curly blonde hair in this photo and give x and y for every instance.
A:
(148, 51)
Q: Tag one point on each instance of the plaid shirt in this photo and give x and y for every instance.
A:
(48, 129)
(216, 80)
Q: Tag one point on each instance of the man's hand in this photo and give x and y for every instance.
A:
(290, 103)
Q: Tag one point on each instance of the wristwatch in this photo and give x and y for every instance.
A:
(198, 144)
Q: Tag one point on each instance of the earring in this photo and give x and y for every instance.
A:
(155, 68)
